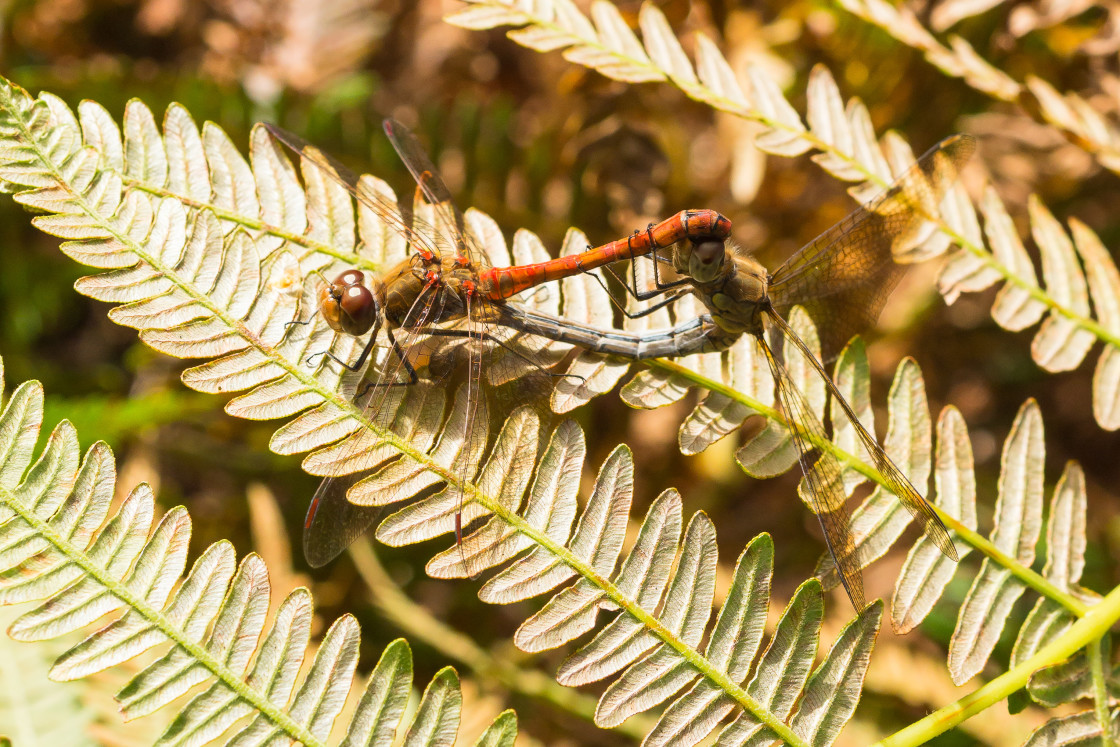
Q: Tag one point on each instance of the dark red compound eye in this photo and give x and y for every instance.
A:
(350, 277)
(347, 304)
(359, 310)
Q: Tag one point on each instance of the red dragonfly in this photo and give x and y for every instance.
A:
(446, 288)
(842, 279)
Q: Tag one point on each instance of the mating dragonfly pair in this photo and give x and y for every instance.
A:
(446, 288)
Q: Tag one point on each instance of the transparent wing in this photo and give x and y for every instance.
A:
(844, 276)
(414, 156)
(824, 478)
(332, 522)
(423, 237)
(823, 488)
(897, 482)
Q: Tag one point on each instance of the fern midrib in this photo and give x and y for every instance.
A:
(1106, 152)
(1024, 573)
(256, 224)
(612, 592)
(156, 617)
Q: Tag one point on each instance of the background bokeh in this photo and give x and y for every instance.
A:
(540, 143)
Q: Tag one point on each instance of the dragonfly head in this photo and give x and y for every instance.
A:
(706, 259)
(347, 304)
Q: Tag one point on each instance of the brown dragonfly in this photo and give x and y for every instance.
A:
(842, 279)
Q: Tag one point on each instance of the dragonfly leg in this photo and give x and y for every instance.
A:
(659, 286)
(294, 322)
(668, 299)
(413, 378)
(632, 290)
(358, 364)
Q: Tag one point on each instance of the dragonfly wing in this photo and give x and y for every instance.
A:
(423, 236)
(823, 487)
(895, 481)
(427, 177)
(332, 522)
(844, 276)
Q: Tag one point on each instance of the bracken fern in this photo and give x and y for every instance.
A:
(207, 256)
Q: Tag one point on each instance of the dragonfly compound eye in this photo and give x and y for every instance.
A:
(706, 260)
(350, 277)
(359, 310)
(347, 305)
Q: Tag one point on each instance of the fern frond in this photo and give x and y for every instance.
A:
(216, 269)
(59, 551)
(56, 550)
(1069, 112)
(201, 278)
(203, 287)
(846, 146)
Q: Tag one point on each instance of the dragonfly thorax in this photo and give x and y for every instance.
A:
(418, 294)
(737, 297)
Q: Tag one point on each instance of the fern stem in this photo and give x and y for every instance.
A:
(1095, 652)
(159, 620)
(313, 247)
(1031, 578)
(1024, 573)
(421, 625)
(1087, 631)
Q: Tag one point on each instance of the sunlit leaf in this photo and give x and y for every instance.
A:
(210, 627)
(1018, 521)
(927, 571)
